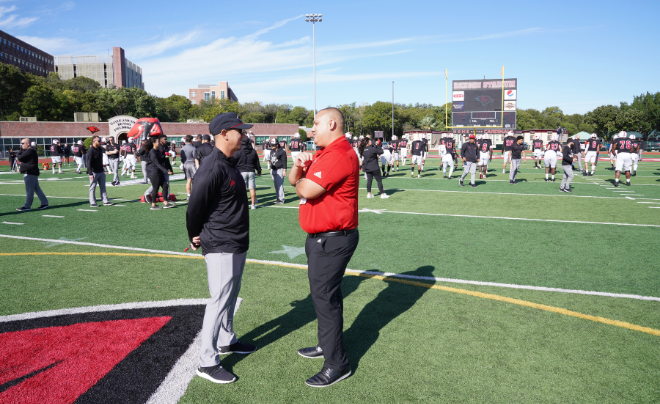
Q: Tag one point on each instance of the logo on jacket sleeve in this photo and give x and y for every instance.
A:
(231, 184)
(318, 174)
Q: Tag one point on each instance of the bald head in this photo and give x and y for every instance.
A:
(328, 126)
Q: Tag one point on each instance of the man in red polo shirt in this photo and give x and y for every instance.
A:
(327, 183)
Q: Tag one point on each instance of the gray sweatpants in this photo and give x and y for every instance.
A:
(114, 166)
(278, 179)
(568, 177)
(224, 272)
(471, 168)
(32, 187)
(144, 171)
(100, 179)
(515, 163)
(579, 161)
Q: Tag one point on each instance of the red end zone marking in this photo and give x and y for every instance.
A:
(82, 354)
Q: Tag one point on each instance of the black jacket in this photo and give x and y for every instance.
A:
(371, 160)
(247, 159)
(29, 161)
(156, 163)
(567, 158)
(278, 159)
(204, 150)
(94, 160)
(218, 207)
(469, 152)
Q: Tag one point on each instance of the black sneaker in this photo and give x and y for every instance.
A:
(93, 205)
(42, 207)
(591, 174)
(23, 209)
(460, 181)
(546, 180)
(108, 203)
(327, 377)
(216, 374)
(474, 185)
(156, 207)
(568, 190)
(312, 353)
(237, 347)
(561, 189)
(169, 205)
(444, 176)
(616, 184)
(553, 180)
(628, 183)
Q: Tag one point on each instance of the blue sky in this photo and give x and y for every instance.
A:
(574, 54)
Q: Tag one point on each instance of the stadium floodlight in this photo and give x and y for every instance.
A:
(313, 18)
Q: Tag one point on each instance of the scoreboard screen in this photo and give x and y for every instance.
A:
(478, 103)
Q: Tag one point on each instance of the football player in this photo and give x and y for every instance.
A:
(417, 157)
(130, 161)
(610, 150)
(447, 159)
(425, 153)
(295, 145)
(591, 149)
(56, 155)
(509, 140)
(634, 153)
(403, 150)
(537, 146)
(78, 152)
(550, 157)
(485, 146)
(622, 147)
(394, 149)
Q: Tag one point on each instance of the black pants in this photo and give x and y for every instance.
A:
(158, 181)
(370, 176)
(327, 258)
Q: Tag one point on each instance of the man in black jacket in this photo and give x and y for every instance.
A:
(30, 170)
(247, 161)
(469, 155)
(203, 150)
(96, 173)
(278, 169)
(218, 220)
(569, 157)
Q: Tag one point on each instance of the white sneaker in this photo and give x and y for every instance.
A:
(384, 196)
(419, 176)
(503, 171)
(253, 206)
(369, 196)
(412, 174)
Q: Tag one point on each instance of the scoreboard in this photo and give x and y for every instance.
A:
(478, 104)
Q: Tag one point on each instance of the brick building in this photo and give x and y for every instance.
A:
(69, 132)
(107, 70)
(208, 92)
(26, 57)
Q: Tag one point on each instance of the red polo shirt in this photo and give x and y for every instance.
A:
(337, 170)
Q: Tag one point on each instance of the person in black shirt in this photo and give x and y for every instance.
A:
(635, 153)
(403, 150)
(67, 154)
(247, 161)
(203, 150)
(516, 150)
(112, 151)
(537, 147)
(278, 166)
(30, 170)
(370, 153)
(12, 160)
(79, 151)
(144, 157)
(56, 155)
(162, 152)
(469, 153)
(591, 150)
(96, 173)
(622, 147)
(158, 171)
(217, 219)
(508, 143)
(417, 147)
(567, 165)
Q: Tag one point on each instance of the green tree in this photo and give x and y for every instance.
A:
(13, 86)
(649, 104)
(603, 120)
(303, 134)
(81, 84)
(378, 116)
(552, 117)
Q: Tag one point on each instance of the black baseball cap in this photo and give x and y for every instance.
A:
(226, 121)
(206, 137)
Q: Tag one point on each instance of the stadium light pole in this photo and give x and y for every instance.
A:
(314, 18)
(392, 110)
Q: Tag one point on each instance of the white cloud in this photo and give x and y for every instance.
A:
(54, 46)
(159, 47)
(13, 20)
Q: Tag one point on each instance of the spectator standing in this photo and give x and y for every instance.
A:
(370, 153)
(188, 152)
(12, 160)
(569, 157)
(278, 166)
(112, 151)
(217, 219)
(203, 150)
(469, 152)
(67, 154)
(79, 152)
(247, 161)
(159, 172)
(30, 170)
(96, 173)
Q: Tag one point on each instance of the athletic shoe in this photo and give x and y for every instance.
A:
(327, 377)
(156, 207)
(419, 176)
(616, 184)
(108, 203)
(561, 190)
(93, 205)
(279, 202)
(23, 209)
(169, 205)
(546, 180)
(460, 181)
(514, 182)
(311, 353)
(627, 183)
(412, 174)
(384, 196)
(369, 196)
(553, 180)
(591, 174)
(216, 374)
(503, 171)
(474, 185)
(253, 207)
(635, 174)
(568, 190)
(237, 347)
(42, 207)
(584, 173)
(444, 176)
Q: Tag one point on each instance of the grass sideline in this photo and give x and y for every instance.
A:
(406, 343)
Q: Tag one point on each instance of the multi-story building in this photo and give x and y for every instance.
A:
(109, 70)
(208, 92)
(26, 57)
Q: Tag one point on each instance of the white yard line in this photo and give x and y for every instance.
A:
(387, 274)
(59, 217)
(87, 210)
(14, 223)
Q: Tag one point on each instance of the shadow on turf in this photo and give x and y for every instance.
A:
(394, 300)
(50, 208)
